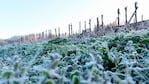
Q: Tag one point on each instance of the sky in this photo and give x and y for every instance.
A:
(22, 17)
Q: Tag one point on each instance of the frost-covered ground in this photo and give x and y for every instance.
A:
(121, 58)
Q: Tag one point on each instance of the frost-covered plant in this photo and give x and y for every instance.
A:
(120, 58)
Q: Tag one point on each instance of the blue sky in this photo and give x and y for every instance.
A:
(21, 17)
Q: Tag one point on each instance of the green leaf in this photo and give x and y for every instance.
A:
(102, 49)
(126, 31)
(74, 74)
(135, 38)
(145, 41)
(71, 52)
(63, 53)
(76, 80)
(57, 41)
(46, 73)
(49, 82)
(7, 74)
(108, 64)
(94, 72)
(23, 70)
(15, 82)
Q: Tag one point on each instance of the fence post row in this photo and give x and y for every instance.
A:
(48, 34)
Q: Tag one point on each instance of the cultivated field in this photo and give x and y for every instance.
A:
(120, 58)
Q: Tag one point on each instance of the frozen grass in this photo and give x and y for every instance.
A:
(112, 59)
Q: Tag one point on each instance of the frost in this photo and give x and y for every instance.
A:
(120, 58)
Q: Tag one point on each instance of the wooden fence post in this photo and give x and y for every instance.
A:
(126, 15)
(142, 17)
(80, 27)
(21, 39)
(65, 34)
(102, 21)
(90, 25)
(42, 35)
(71, 28)
(55, 32)
(85, 25)
(136, 7)
(134, 13)
(36, 37)
(46, 36)
(118, 11)
(59, 31)
(97, 24)
(49, 34)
